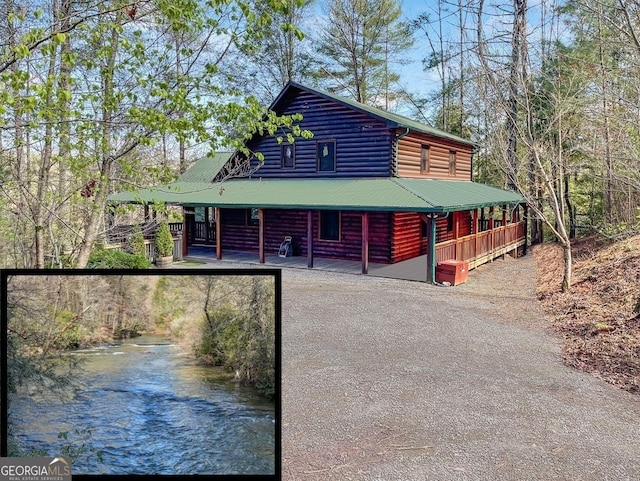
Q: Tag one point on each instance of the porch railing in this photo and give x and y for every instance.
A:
(119, 236)
(483, 246)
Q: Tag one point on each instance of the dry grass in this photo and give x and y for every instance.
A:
(597, 318)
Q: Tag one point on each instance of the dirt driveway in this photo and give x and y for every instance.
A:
(386, 379)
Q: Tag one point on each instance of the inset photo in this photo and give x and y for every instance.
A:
(173, 372)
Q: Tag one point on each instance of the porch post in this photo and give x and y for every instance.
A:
(491, 231)
(146, 212)
(504, 230)
(526, 228)
(218, 234)
(475, 233)
(185, 248)
(310, 238)
(261, 235)
(456, 232)
(431, 250)
(365, 242)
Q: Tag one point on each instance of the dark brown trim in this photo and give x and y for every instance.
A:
(218, 234)
(261, 235)
(309, 238)
(365, 242)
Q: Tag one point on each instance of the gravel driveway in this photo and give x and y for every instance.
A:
(386, 379)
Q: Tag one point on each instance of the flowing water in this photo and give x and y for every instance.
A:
(150, 409)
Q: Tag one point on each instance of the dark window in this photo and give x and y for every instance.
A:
(330, 225)
(326, 153)
(288, 156)
(424, 159)
(452, 162)
(450, 222)
(253, 216)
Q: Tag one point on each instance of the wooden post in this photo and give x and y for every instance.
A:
(365, 242)
(261, 235)
(526, 228)
(309, 238)
(475, 233)
(456, 232)
(491, 232)
(504, 230)
(185, 248)
(431, 251)
(218, 234)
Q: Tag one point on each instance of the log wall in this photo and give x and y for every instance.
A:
(410, 153)
(363, 143)
(236, 235)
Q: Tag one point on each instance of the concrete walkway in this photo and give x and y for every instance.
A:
(413, 269)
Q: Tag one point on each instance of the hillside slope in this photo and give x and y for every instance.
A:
(599, 318)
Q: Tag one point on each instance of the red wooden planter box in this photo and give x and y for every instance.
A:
(451, 271)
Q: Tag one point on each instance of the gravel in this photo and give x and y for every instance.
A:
(385, 379)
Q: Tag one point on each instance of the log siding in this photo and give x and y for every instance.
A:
(278, 223)
(410, 152)
(363, 144)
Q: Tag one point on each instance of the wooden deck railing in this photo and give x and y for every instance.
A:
(150, 249)
(118, 237)
(484, 246)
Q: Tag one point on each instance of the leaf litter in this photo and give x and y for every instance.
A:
(599, 317)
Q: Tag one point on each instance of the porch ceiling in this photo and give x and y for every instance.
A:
(387, 194)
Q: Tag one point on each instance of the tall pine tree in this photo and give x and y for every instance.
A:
(362, 43)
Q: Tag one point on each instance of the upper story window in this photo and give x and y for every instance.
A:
(424, 159)
(452, 162)
(326, 155)
(288, 156)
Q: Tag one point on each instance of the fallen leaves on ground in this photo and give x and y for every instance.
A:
(596, 318)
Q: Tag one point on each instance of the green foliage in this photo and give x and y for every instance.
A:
(361, 38)
(102, 258)
(163, 241)
(102, 94)
(167, 306)
(69, 332)
(78, 448)
(240, 337)
(136, 242)
(219, 343)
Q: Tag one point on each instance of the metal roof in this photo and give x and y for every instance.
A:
(394, 120)
(206, 168)
(370, 194)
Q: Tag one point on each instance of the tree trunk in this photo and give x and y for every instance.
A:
(568, 266)
(92, 224)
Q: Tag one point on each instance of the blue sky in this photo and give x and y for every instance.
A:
(413, 77)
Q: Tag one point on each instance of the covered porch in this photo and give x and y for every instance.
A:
(498, 238)
(297, 205)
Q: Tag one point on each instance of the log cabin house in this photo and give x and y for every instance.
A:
(370, 186)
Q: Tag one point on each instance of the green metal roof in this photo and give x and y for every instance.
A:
(206, 168)
(387, 194)
(395, 119)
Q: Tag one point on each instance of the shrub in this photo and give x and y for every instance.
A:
(136, 242)
(115, 259)
(163, 241)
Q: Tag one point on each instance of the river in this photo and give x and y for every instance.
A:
(150, 409)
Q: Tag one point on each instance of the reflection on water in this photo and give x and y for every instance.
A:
(151, 409)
